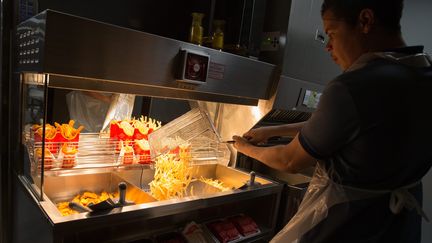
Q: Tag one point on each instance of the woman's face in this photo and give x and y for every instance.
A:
(346, 42)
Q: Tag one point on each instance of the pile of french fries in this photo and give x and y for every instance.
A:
(172, 175)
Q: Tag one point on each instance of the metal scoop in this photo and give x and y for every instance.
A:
(109, 204)
(78, 207)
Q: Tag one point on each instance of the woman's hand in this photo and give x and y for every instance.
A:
(258, 135)
(241, 144)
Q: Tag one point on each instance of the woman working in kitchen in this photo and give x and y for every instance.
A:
(369, 148)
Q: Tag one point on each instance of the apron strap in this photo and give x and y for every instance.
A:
(402, 198)
(399, 198)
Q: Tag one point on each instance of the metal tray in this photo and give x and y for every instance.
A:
(65, 188)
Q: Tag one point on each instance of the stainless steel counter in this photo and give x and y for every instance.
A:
(149, 216)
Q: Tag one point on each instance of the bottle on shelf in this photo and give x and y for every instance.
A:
(196, 30)
(218, 34)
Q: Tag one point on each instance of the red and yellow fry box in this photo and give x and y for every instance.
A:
(141, 133)
(69, 156)
(48, 158)
(128, 155)
(68, 132)
(123, 130)
(141, 129)
(142, 150)
(114, 129)
(52, 137)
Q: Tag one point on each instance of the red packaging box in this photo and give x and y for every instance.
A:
(225, 231)
(245, 224)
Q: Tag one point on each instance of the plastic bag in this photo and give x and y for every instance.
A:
(121, 108)
(86, 110)
(321, 194)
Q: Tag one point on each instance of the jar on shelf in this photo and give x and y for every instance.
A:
(196, 30)
(218, 34)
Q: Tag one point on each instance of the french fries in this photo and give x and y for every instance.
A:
(84, 199)
(146, 125)
(67, 130)
(50, 131)
(172, 176)
(215, 183)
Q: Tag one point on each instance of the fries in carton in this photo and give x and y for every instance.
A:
(52, 137)
(142, 151)
(49, 160)
(68, 132)
(121, 131)
(68, 156)
(144, 126)
(126, 153)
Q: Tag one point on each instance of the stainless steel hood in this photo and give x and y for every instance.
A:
(78, 53)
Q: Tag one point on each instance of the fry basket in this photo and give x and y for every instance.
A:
(195, 129)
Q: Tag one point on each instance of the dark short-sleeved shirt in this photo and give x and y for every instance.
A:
(372, 125)
(373, 129)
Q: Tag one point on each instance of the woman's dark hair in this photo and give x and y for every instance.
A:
(387, 12)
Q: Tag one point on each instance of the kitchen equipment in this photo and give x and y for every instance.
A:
(57, 52)
(193, 129)
(109, 204)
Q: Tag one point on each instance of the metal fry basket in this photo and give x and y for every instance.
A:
(196, 129)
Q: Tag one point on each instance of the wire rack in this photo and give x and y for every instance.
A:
(93, 151)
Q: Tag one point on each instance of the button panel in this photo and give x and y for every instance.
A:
(29, 46)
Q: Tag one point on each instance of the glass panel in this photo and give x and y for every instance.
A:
(35, 154)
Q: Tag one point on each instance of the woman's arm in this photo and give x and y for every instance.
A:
(261, 134)
(290, 158)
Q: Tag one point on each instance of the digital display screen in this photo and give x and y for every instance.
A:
(311, 99)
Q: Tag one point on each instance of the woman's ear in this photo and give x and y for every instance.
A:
(366, 19)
